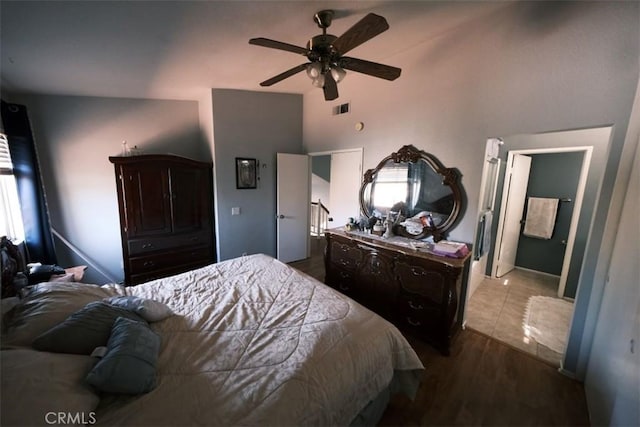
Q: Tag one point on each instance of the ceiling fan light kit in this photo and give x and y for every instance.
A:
(326, 66)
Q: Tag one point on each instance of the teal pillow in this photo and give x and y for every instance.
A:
(150, 310)
(84, 330)
(129, 366)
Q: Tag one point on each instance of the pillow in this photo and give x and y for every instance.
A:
(150, 310)
(129, 366)
(42, 273)
(35, 383)
(45, 305)
(84, 330)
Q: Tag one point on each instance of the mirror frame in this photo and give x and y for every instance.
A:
(450, 177)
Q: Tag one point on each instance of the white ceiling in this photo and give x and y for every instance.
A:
(180, 49)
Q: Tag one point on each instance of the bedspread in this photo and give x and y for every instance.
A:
(256, 342)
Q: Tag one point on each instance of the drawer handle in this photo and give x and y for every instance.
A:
(195, 239)
(416, 272)
(415, 306)
(147, 245)
(148, 264)
(344, 275)
(413, 323)
(343, 287)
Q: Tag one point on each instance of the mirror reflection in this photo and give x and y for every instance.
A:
(409, 188)
(412, 188)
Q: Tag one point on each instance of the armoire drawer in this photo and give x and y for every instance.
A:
(153, 244)
(144, 264)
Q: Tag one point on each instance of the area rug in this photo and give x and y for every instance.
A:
(547, 320)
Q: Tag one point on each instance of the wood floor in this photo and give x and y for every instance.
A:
(482, 382)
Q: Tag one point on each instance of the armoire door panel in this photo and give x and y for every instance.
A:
(146, 193)
(188, 189)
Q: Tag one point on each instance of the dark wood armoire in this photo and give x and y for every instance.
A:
(166, 215)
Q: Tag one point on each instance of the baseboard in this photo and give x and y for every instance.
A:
(567, 373)
(538, 272)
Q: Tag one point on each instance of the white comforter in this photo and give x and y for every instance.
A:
(255, 342)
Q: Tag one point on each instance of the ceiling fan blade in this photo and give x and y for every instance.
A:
(330, 88)
(374, 69)
(365, 29)
(284, 75)
(261, 41)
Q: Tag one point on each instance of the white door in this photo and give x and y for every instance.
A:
(344, 186)
(292, 205)
(515, 189)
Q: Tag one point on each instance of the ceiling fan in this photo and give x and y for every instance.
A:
(326, 66)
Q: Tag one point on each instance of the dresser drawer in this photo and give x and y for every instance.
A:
(145, 264)
(423, 280)
(153, 244)
(419, 309)
(345, 256)
(342, 280)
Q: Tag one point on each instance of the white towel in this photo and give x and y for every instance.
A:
(541, 217)
(486, 244)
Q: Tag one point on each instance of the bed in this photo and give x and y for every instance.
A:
(252, 341)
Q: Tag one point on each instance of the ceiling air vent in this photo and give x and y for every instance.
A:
(341, 109)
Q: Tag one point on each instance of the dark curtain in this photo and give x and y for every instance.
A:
(35, 215)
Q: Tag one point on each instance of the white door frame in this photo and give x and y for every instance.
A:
(573, 228)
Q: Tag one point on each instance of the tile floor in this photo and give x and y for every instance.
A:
(497, 309)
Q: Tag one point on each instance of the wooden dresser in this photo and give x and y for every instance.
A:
(414, 289)
(166, 215)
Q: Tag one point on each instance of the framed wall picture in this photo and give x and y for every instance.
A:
(246, 173)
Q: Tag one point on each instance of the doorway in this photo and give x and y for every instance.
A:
(336, 177)
(559, 173)
(522, 285)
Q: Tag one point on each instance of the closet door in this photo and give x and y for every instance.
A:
(147, 198)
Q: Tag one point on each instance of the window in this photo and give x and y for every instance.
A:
(391, 186)
(10, 217)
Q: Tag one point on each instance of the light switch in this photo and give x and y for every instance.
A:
(235, 211)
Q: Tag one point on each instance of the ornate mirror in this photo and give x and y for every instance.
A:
(414, 190)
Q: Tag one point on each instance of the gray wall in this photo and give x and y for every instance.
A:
(321, 166)
(74, 138)
(612, 384)
(523, 68)
(554, 176)
(255, 125)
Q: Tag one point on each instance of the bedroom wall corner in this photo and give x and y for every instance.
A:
(205, 113)
(74, 137)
